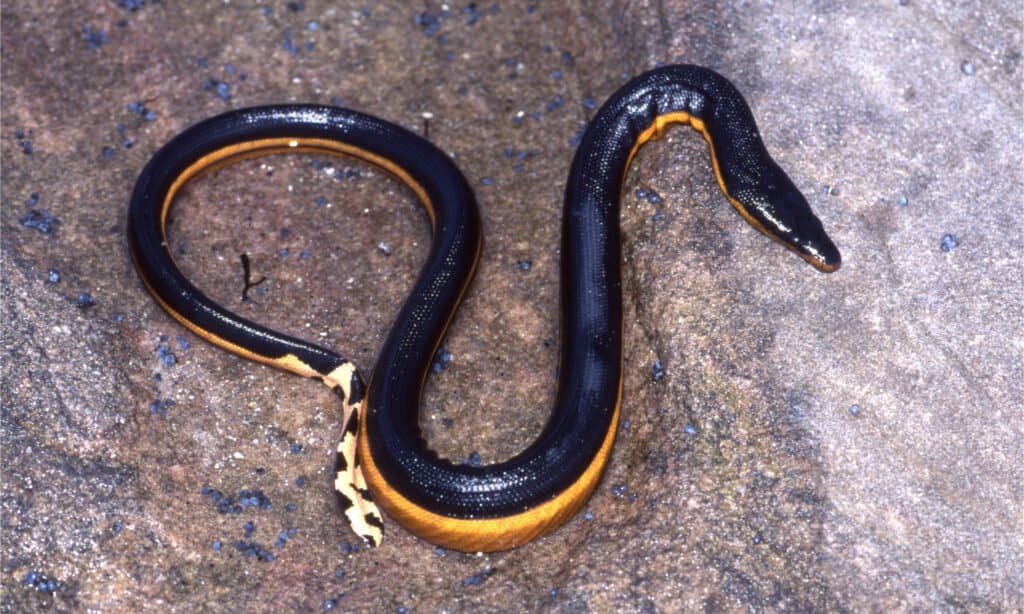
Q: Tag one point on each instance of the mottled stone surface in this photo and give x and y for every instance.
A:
(815, 442)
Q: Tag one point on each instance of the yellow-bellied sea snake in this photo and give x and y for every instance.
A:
(493, 507)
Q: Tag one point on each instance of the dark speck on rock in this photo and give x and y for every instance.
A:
(282, 539)
(619, 489)
(295, 7)
(578, 137)
(33, 199)
(182, 342)
(160, 406)
(254, 497)
(251, 549)
(139, 108)
(223, 90)
(949, 241)
(442, 360)
(85, 300)
(39, 220)
(229, 505)
(855, 410)
(690, 429)
(296, 448)
(95, 37)
(132, 5)
(248, 528)
(429, 22)
(300, 481)
(166, 356)
(967, 67)
(40, 582)
(657, 371)
(53, 276)
(523, 264)
(473, 460)
(477, 578)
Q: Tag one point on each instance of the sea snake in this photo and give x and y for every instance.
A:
(382, 452)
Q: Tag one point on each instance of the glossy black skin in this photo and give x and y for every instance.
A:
(455, 209)
(591, 302)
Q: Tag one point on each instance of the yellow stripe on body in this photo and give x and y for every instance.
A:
(489, 534)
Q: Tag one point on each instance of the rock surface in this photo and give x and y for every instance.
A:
(850, 441)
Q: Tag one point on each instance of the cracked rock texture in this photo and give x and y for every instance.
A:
(812, 442)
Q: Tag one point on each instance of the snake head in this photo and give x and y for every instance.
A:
(802, 230)
(779, 210)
